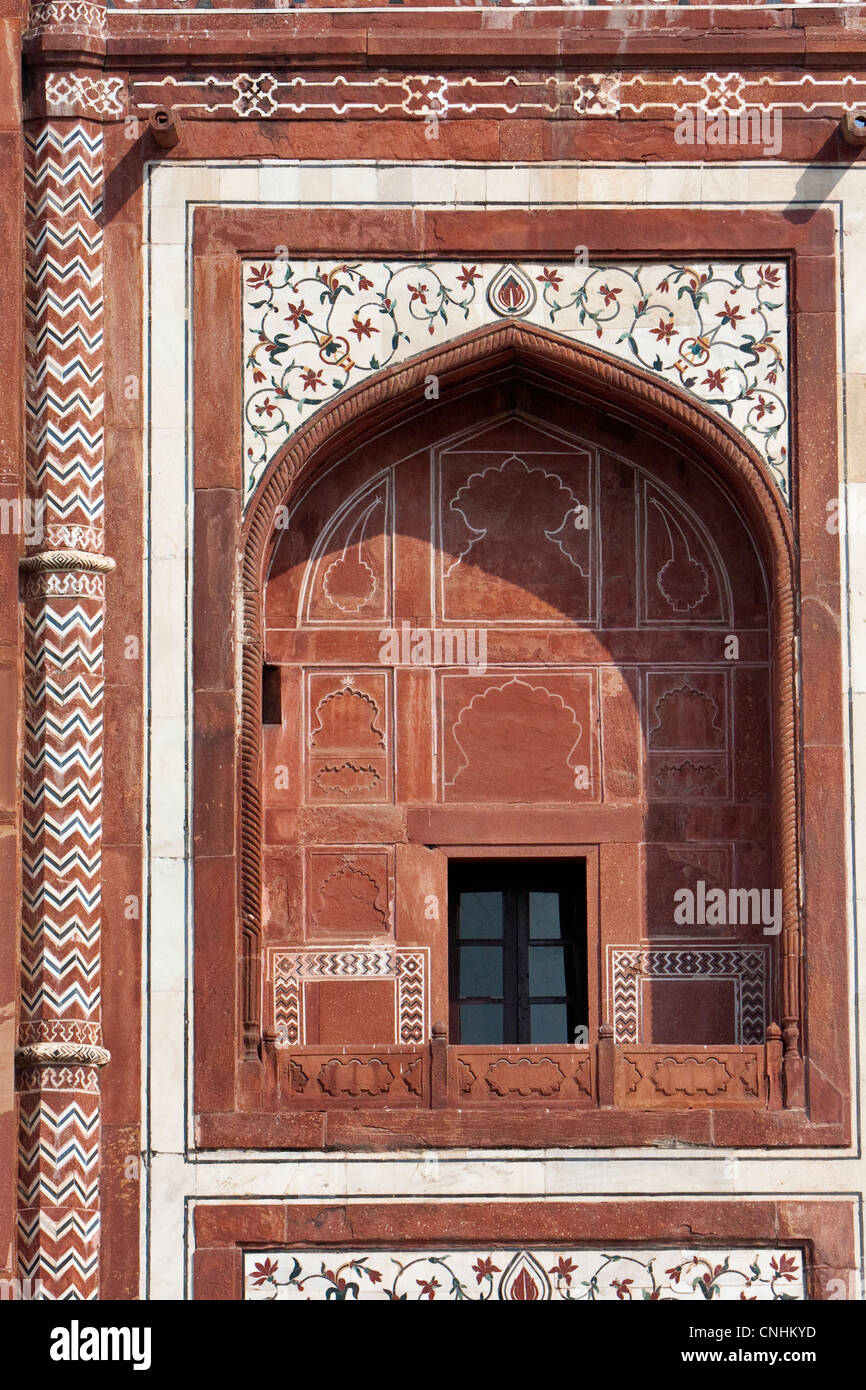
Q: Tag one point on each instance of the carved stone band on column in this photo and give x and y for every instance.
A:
(66, 16)
(48, 561)
(52, 1054)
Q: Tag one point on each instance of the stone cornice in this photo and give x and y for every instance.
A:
(480, 37)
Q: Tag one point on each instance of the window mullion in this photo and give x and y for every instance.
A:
(511, 1033)
(521, 912)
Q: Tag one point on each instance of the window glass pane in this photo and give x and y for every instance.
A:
(481, 914)
(548, 1023)
(480, 971)
(544, 914)
(546, 971)
(481, 1023)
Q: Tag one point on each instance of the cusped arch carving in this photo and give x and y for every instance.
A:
(631, 395)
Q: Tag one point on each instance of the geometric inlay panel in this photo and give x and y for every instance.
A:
(290, 970)
(745, 967)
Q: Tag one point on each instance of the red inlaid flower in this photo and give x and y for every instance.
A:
(298, 314)
(732, 313)
(362, 330)
(665, 331)
(264, 1272)
(564, 1268)
(785, 1267)
(715, 379)
(259, 276)
(484, 1269)
(550, 277)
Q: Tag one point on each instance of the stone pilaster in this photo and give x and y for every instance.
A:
(60, 1041)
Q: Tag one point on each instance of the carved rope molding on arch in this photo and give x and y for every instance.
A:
(628, 393)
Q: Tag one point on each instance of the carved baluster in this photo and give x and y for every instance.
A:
(774, 1067)
(606, 1065)
(439, 1067)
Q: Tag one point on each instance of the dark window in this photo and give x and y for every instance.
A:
(518, 950)
(271, 697)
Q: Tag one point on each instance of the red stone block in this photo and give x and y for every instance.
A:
(217, 1275)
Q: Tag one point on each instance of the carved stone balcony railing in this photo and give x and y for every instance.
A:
(497, 1076)
(444, 1077)
(673, 1077)
(319, 1077)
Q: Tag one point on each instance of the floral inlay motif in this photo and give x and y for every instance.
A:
(577, 1276)
(312, 329)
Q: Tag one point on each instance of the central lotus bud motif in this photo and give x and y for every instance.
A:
(511, 293)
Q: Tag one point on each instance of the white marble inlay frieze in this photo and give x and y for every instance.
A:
(520, 1275)
(312, 329)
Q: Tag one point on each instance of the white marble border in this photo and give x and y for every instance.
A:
(177, 1176)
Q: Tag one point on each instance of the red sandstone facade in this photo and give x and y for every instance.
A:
(330, 330)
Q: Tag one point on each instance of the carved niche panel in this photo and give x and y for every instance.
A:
(683, 577)
(517, 537)
(669, 868)
(520, 736)
(333, 561)
(348, 736)
(348, 578)
(687, 735)
(349, 893)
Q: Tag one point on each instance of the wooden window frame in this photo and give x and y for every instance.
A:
(515, 879)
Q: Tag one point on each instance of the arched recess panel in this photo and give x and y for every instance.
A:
(512, 628)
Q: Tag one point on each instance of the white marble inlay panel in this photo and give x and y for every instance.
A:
(520, 1275)
(313, 329)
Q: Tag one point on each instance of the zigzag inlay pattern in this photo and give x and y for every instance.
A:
(290, 969)
(746, 966)
(62, 765)
(64, 302)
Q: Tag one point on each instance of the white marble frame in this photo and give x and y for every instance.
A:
(177, 1176)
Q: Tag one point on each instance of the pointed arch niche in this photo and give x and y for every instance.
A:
(445, 494)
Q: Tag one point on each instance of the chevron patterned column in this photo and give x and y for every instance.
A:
(60, 1042)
